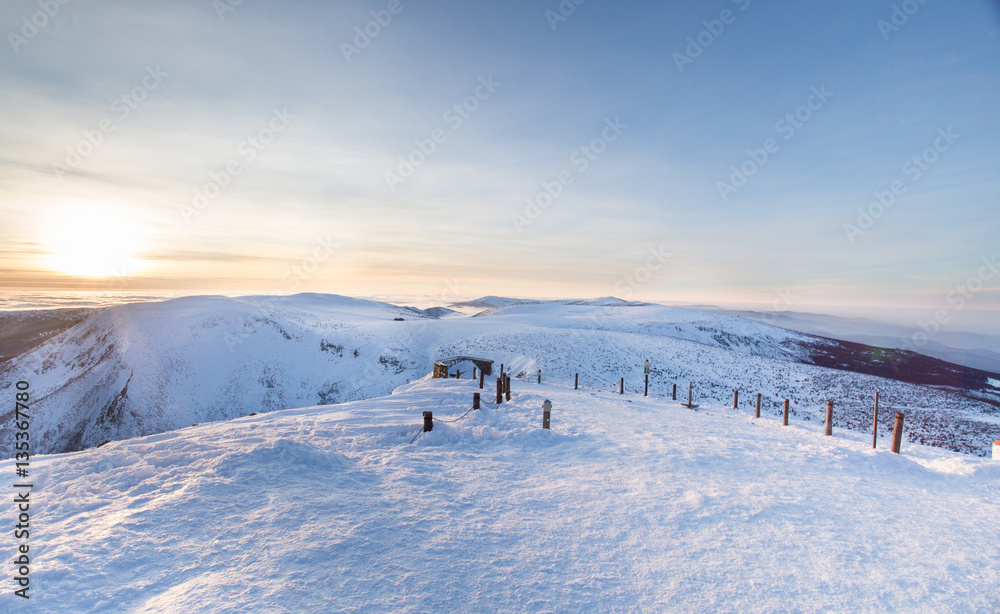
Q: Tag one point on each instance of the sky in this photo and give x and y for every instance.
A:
(733, 152)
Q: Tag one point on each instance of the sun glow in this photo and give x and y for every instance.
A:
(93, 244)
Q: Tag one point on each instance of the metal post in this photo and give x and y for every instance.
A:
(875, 425)
(428, 421)
(576, 381)
(621, 389)
(897, 433)
(829, 419)
(784, 415)
(645, 391)
(758, 405)
(546, 413)
(690, 391)
(674, 397)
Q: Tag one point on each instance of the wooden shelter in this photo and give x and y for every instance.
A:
(442, 366)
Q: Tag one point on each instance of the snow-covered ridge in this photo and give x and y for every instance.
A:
(147, 368)
(628, 504)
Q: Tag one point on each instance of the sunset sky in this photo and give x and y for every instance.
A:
(708, 152)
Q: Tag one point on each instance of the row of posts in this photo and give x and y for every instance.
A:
(503, 392)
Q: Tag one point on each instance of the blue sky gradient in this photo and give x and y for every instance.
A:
(313, 209)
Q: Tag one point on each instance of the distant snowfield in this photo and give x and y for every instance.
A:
(626, 505)
(147, 368)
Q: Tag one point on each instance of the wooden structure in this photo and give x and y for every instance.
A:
(442, 366)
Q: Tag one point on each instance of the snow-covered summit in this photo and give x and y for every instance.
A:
(146, 368)
(629, 504)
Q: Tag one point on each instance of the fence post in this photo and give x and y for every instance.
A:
(428, 421)
(621, 389)
(875, 424)
(475, 400)
(645, 391)
(546, 413)
(784, 415)
(474, 373)
(758, 405)
(480, 380)
(736, 399)
(539, 376)
(829, 419)
(507, 384)
(897, 433)
(499, 391)
(675, 392)
(576, 381)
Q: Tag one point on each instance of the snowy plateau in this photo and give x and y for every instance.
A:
(266, 455)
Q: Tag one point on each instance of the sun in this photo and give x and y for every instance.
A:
(92, 243)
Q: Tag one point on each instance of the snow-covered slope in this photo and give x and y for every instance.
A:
(626, 505)
(147, 368)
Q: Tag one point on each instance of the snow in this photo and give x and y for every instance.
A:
(993, 382)
(628, 504)
(147, 368)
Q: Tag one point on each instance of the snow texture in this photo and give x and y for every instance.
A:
(628, 504)
(148, 368)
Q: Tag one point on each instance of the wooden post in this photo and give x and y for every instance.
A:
(736, 399)
(645, 391)
(875, 425)
(539, 376)
(480, 380)
(621, 389)
(501, 369)
(690, 392)
(829, 419)
(675, 392)
(507, 379)
(576, 381)
(475, 400)
(474, 373)
(499, 391)
(758, 405)
(546, 413)
(897, 433)
(784, 415)
(428, 421)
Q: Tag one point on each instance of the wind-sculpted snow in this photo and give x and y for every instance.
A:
(152, 367)
(628, 504)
